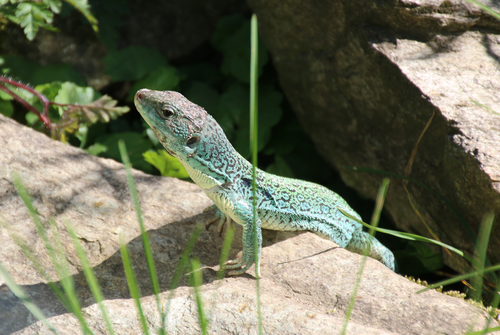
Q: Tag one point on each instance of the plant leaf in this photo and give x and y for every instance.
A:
(136, 145)
(103, 109)
(31, 16)
(164, 78)
(168, 165)
(83, 7)
(132, 63)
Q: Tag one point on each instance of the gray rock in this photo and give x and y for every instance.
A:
(365, 77)
(307, 281)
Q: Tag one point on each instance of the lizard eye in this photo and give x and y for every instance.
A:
(167, 112)
(192, 141)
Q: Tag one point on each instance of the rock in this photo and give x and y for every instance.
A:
(299, 293)
(365, 78)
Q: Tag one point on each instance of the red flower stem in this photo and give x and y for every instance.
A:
(45, 119)
(45, 101)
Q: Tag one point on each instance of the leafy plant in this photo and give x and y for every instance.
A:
(72, 109)
(227, 99)
(168, 165)
(33, 15)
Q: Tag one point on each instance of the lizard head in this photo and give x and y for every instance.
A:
(177, 122)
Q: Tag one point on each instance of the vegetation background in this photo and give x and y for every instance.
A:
(214, 75)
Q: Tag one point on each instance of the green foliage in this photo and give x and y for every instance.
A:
(417, 258)
(6, 108)
(280, 167)
(164, 78)
(33, 15)
(133, 63)
(21, 69)
(230, 109)
(168, 165)
(232, 39)
(30, 15)
(72, 93)
(109, 13)
(66, 107)
(84, 107)
(136, 145)
(83, 7)
(227, 98)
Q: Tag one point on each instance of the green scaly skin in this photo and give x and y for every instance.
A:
(191, 135)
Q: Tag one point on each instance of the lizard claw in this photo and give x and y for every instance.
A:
(219, 217)
(240, 265)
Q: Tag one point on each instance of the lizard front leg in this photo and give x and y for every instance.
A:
(252, 241)
(219, 217)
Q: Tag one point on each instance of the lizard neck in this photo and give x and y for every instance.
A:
(214, 162)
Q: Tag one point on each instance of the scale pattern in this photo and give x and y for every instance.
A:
(193, 136)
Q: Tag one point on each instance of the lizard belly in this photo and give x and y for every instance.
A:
(278, 221)
(224, 204)
(269, 219)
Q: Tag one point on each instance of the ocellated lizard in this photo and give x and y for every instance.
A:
(193, 136)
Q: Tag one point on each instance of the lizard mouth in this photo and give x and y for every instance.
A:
(171, 153)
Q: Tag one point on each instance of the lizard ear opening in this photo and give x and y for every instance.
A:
(192, 141)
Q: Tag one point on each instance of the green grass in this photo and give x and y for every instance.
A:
(379, 204)
(254, 78)
(196, 282)
(132, 285)
(21, 294)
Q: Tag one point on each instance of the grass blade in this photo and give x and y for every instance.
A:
(90, 276)
(144, 234)
(409, 236)
(460, 278)
(56, 255)
(66, 279)
(183, 263)
(19, 292)
(379, 204)
(226, 248)
(483, 239)
(254, 76)
(38, 266)
(416, 182)
(486, 331)
(132, 284)
(196, 282)
(485, 107)
(494, 304)
(486, 9)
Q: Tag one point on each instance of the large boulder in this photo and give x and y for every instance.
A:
(307, 281)
(365, 77)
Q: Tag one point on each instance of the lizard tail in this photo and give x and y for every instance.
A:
(378, 251)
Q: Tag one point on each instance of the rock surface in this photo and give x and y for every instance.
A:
(299, 293)
(365, 77)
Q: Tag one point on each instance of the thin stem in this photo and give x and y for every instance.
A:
(43, 117)
(25, 87)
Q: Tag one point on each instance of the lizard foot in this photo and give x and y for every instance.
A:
(239, 264)
(219, 217)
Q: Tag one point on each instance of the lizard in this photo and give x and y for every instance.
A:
(195, 138)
